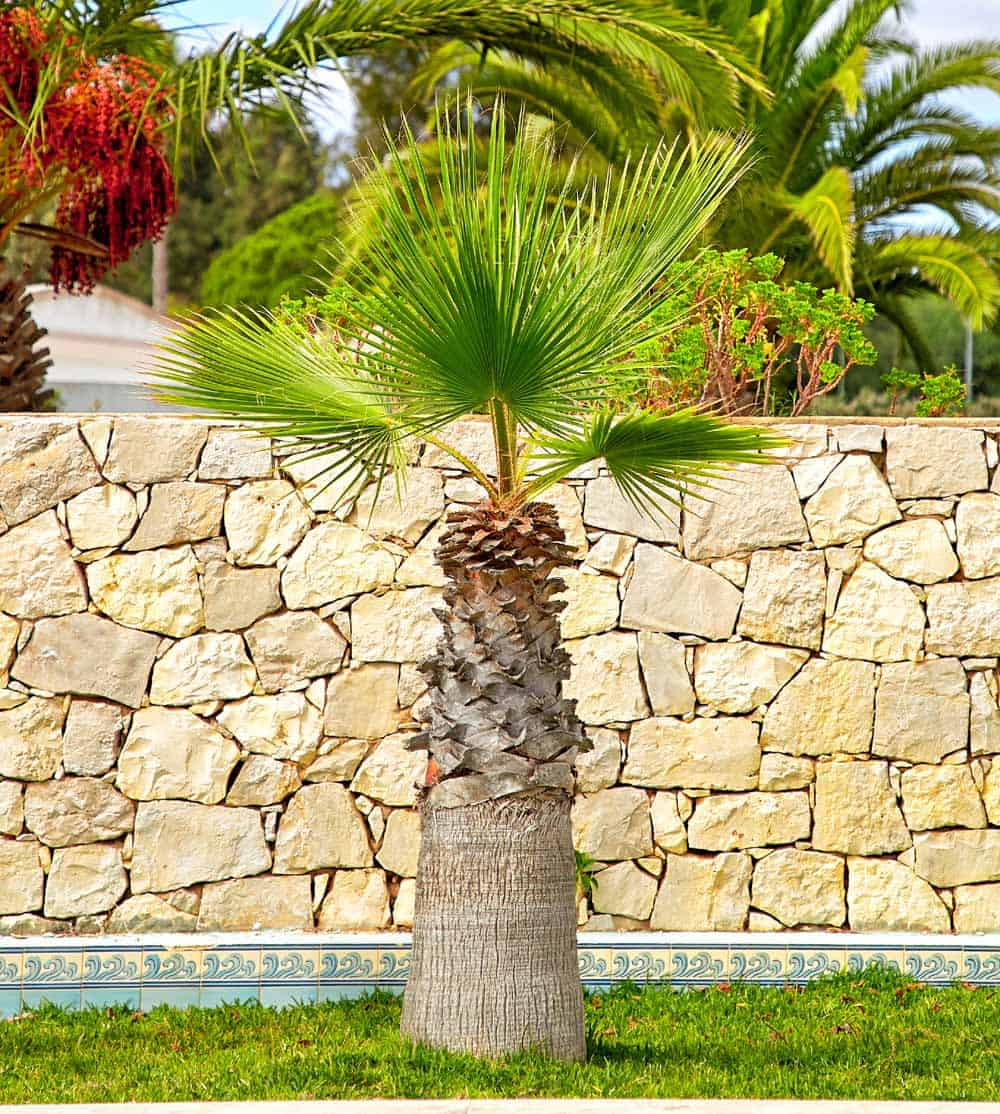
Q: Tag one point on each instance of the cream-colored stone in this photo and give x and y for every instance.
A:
(569, 512)
(613, 824)
(668, 826)
(718, 753)
(391, 773)
(358, 901)
(669, 594)
(991, 792)
(11, 808)
(734, 569)
(800, 887)
(421, 569)
(91, 737)
(179, 512)
(877, 618)
(333, 561)
(784, 771)
(930, 461)
(282, 726)
(42, 461)
(604, 678)
(37, 574)
(728, 822)
(785, 598)
(921, 711)
(398, 626)
(810, 474)
(339, 763)
(383, 510)
(472, 437)
(235, 454)
(88, 655)
(591, 603)
(101, 516)
(606, 508)
(611, 553)
(958, 857)
(977, 525)
(885, 896)
(321, 828)
(11, 698)
(149, 913)
(171, 753)
(917, 550)
(147, 451)
(704, 893)
(740, 676)
(76, 810)
(625, 890)
(403, 906)
(754, 506)
(85, 880)
(31, 739)
(598, 767)
(264, 781)
(204, 667)
(236, 598)
(401, 843)
(21, 877)
(264, 521)
(664, 671)
(859, 438)
(293, 647)
(977, 908)
(984, 725)
(156, 590)
(361, 702)
(964, 618)
(10, 630)
(252, 904)
(322, 482)
(856, 811)
(941, 797)
(179, 844)
(853, 503)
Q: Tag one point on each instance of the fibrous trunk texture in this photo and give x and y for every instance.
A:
(494, 967)
(22, 363)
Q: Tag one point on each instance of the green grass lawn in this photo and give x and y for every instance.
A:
(877, 1036)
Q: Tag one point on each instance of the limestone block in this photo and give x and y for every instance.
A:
(264, 521)
(984, 726)
(591, 603)
(235, 454)
(800, 887)
(598, 767)
(92, 737)
(977, 908)
(740, 676)
(668, 826)
(11, 808)
(917, 550)
(473, 437)
(754, 506)
(956, 858)
(805, 439)
(361, 702)
(604, 678)
(877, 618)
(391, 773)
(716, 753)
(704, 893)
(37, 574)
(179, 512)
(204, 667)
(149, 913)
(885, 896)
(612, 824)
(784, 771)
(611, 553)
(929, 461)
(42, 461)
(856, 811)
(321, 828)
(625, 890)
(178, 843)
(606, 508)
(339, 763)
(150, 450)
(252, 904)
(670, 594)
(785, 598)
(964, 618)
(101, 516)
(85, 880)
(156, 590)
(170, 752)
(382, 510)
(333, 561)
(810, 474)
(421, 568)
(732, 821)
(316, 481)
(284, 726)
(235, 598)
(358, 901)
(398, 626)
(977, 525)
(859, 438)
(991, 792)
(664, 671)
(853, 503)
(401, 843)
(76, 810)
(294, 646)
(403, 906)
(921, 711)
(10, 629)
(21, 877)
(264, 781)
(941, 797)
(31, 744)
(566, 503)
(96, 431)
(30, 924)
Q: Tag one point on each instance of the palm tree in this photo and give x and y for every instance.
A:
(511, 300)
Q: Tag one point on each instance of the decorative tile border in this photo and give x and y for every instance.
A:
(142, 972)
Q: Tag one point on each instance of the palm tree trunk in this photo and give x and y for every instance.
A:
(22, 363)
(494, 968)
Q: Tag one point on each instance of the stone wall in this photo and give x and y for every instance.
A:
(205, 684)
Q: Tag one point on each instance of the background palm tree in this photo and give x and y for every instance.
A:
(504, 304)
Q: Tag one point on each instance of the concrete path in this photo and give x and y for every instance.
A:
(521, 1106)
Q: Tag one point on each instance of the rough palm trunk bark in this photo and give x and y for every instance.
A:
(22, 362)
(494, 967)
